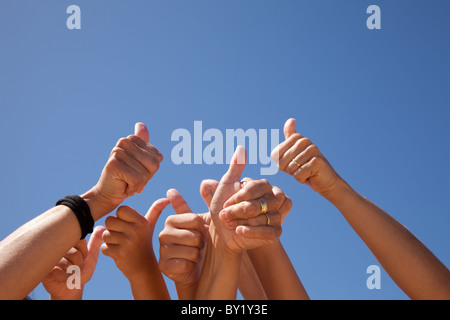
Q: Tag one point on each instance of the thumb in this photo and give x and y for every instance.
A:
(178, 203)
(155, 210)
(93, 248)
(237, 166)
(141, 131)
(289, 128)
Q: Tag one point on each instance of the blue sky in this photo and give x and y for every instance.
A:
(376, 102)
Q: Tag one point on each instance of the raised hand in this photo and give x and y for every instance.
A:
(237, 218)
(182, 242)
(84, 256)
(300, 158)
(128, 240)
(132, 163)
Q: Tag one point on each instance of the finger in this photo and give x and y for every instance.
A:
(141, 131)
(110, 250)
(301, 158)
(147, 147)
(178, 203)
(93, 251)
(264, 233)
(248, 209)
(245, 180)
(118, 225)
(95, 241)
(126, 173)
(298, 148)
(309, 169)
(128, 214)
(113, 237)
(252, 190)
(175, 251)
(81, 246)
(285, 202)
(155, 210)
(289, 128)
(174, 267)
(185, 237)
(144, 161)
(207, 189)
(191, 221)
(284, 146)
(279, 194)
(237, 166)
(57, 274)
(269, 219)
(75, 257)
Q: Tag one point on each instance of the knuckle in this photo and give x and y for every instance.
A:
(305, 141)
(296, 136)
(170, 221)
(124, 142)
(193, 254)
(312, 148)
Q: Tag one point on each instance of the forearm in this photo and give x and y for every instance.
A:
(29, 253)
(276, 273)
(249, 284)
(220, 274)
(405, 258)
(149, 285)
(185, 291)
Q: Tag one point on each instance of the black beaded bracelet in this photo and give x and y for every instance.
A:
(82, 211)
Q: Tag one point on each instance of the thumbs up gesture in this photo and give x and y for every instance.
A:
(238, 223)
(128, 238)
(300, 158)
(131, 164)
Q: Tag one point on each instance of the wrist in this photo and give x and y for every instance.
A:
(143, 271)
(74, 294)
(338, 193)
(222, 245)
(98, 204)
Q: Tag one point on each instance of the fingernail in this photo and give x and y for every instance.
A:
(223, 215)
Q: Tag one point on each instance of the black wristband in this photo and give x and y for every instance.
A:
(82, 211)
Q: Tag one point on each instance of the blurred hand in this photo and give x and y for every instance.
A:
(300, 158)
(84, 256)
(128, 239)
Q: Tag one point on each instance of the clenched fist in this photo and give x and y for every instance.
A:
(300, 158)
(131, 164)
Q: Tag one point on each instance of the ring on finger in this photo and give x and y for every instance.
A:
(268, 220)
(295, 162)
(263, 204)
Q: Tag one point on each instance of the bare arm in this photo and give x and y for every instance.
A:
(404, 257)
(29, 253)
(413, 267)
(276, 273)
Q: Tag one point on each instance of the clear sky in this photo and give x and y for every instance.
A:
(376, 102)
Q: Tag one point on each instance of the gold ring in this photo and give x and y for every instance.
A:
(298, 164)
(268, 220)
(263, 206)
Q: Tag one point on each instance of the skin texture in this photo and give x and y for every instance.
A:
(83, 255)
(29, 254)
(182, 246)
(128, 240)
(404, 257)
